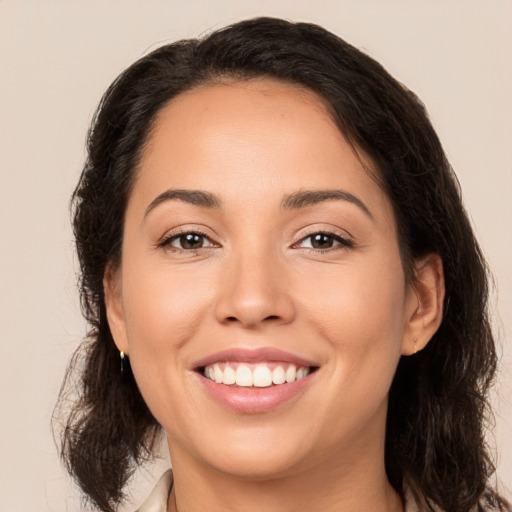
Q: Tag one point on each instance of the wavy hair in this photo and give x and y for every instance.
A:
(437, 405)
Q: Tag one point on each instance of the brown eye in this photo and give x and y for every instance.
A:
(188, 241)
(324, 241)
(191, 241)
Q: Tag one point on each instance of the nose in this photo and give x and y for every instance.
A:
(253, 291)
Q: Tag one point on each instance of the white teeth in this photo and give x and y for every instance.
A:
(290, 373)
(302, 372)
(260, 375)
(278, 375)
(229, 376)
(217, 373)
(243, 376)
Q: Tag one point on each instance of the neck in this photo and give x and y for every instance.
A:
(357, 484)
(276, 497)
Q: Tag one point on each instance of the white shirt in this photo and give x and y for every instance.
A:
(157, 500)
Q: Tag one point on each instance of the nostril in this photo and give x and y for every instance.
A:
(235, 319)
(270, 317)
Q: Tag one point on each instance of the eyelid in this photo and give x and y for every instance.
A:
(346, 241)
(165, 241)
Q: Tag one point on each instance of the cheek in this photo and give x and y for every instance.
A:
(365, 295)
(163, 309)
(360, 310)
(360, 319)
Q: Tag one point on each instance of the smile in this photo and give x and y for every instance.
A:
(255, 380)
(260, 375)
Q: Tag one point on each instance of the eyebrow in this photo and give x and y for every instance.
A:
(296, 200)
(304, 198)
(195, 197)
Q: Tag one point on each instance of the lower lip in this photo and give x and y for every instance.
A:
(254, 400)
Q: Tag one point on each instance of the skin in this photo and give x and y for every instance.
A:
(258, 282)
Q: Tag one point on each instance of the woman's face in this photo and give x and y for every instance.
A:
(255, 243)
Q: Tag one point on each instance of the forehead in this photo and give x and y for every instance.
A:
(250, 112)
(240, 139)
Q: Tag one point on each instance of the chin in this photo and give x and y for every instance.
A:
(251, 453)
(255, 465)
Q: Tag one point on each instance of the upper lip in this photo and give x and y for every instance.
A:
(255, 355)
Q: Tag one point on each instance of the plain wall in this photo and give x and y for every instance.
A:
(56, 59)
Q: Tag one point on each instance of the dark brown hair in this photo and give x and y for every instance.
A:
(437, 406)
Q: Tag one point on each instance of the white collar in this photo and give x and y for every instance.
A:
(157, 500)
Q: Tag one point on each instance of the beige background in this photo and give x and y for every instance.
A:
(56, 59)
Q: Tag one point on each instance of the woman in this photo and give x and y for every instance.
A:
(278, 271)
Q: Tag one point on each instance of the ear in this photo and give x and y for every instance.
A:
(424, 307)
(114, 307)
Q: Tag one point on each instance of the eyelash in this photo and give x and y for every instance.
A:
(344, 243)
(166, 242)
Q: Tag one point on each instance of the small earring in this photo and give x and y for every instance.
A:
(124, 362)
